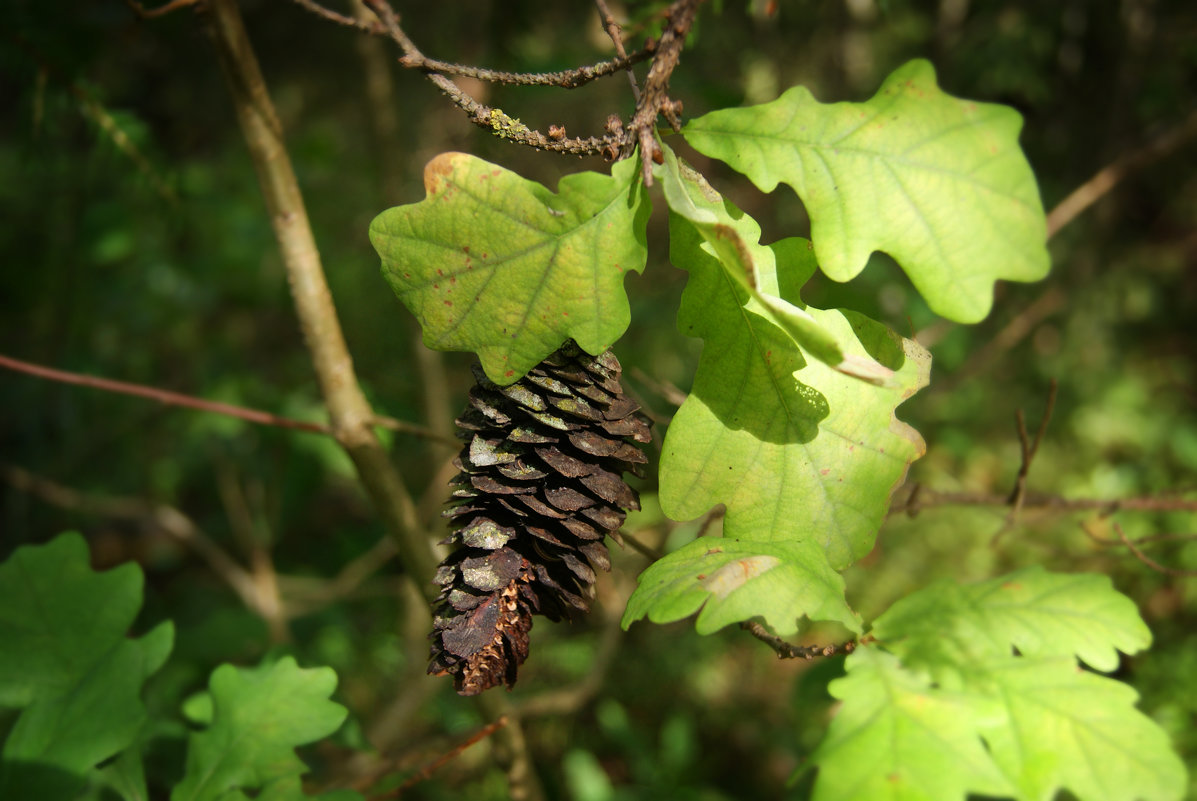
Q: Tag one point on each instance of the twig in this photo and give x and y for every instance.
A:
(654, 100)
(414, 59)
(565, 79)
(786, 650)
(165, 518)
(160, 11)
(613, 30)
(432, 767)
(715, 514)
(364, 25)
(921, 497)
(191, 402)
(930, 499)
(496, 120)
(348, 408)
(1147, 560)
(647, 551)
(1028, 450)
(350, 411)
(1111, 175)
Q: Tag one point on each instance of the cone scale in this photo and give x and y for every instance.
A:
(541, 485)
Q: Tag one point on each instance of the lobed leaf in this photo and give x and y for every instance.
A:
(493, 263)
(732, 580)
(259, 717)
(67, 661)
(1066, 728)
(794, 449)
(1041, 614)
(897, 737)
(1031, 715)
(937, 182)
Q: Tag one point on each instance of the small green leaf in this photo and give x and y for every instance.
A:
(1039, 613)
(1070, 729)
(58, 617)
(67, 660)
(733, 580)
(1046, 724)
(732, 237)
(794, 449)
(260, 715)
(897, 737)
(492, 263)
(937, 182)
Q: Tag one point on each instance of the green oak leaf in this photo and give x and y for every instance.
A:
(898, 737)
(732, 237)
(1004, 651)
(496, 264)
(1041, 614)
(793, 448)
(259, 716)
(1070, 729)
(732, 580)
(68, 662)
(937, 182)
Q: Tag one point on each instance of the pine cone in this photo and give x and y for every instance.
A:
(540, 486)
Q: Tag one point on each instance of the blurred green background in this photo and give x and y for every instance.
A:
(137, 248)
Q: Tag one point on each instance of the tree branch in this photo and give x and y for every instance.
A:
(921, 497)
(162, 517)
(349, 411)
(786, 650)
(613, 30)
(1111, 175)
(1147, 560)
(1028, 449)
(654, 100)
(191, 402)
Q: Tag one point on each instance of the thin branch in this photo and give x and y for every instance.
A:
(348, 408)
(160, 516)
(160, 11)
(1028, 449)
(1147, 560)
(920, 498)
(613, 30)
(192, 402)
(654, 100)
(786, 650)
(565, 79)
(347, 581)
(363, 25)
(647, 551)
(1111, 175)
(414, 59)
(427, 771)
(496, 120)
(350, 411)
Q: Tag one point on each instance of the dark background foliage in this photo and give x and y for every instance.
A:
(145, 255)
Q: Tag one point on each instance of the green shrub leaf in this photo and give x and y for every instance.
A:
(1039, 613)
(1029, 714)
(260, 715)
(795, 449)
(68, 663)
(732, 580)
(897, 737)
(493, 263)
(937, 182)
